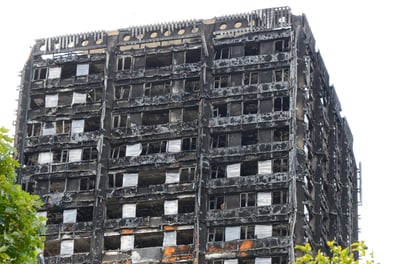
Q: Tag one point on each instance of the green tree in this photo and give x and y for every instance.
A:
(339, 255)
(20, 228)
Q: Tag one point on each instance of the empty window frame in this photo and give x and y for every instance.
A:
(281, 103)
(190, 114)
(249, 137)
(52, 248)
(187, 174)
(115, 180)
(122, 92)
(189, 144)
(158, 60)
(281, 134)
(33, 129)
(112, 242)
(282, 45)
(216, 234)
(251, 49)
(216, 202)
(94, 96)
(220, 110)
(91, 124)
(219, 141)
(279, 260)
(68, 70)
(250, 78)
(250, 107)
(222, 52)
(151, 177)
(86, 184)
(118, 152)
(114, 211)
(186, 205)
(279, 197)
(156, 118)
(157, 88)
(280, 165)
(280, 230)
(37, 102)
(150, 209)
(192, 84)
(120, 121)
(154, 147)
(281, 75)
(248, 199)
(221, 81)
(153, 239)
(184, 237)
(124, 63)
(247, 232)
(39, 74)
(218, 171)
(193, 56)
(60, 156)
(57, 185)
(89, 153)
(248, 168)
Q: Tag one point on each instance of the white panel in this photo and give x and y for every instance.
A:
(77, 126)
(171, 177)
(49, 129)
(127, 242)
(82, 69)
(264, 167)
(74, 155)
(230, 261)
(263, 198)
(175, 115)
(233, 170)
(133, 150)
(262, 231)
(51, 100)
(69, 216)
(232, 233)
(130, 179)
(170, 207)
(263, 261)
(54, 73)
(67, 247)
(169, 239)
(78, 98)
(45, 157)
(128, 210)
(174, 145)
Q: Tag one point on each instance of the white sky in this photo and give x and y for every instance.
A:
(357, 41)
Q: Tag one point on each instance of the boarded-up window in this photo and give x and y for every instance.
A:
(232, 233)
(127, 242)
(51, 100)
(128, 210)
(67, 247)
(263, 261)
(74, 155)
(133, 150)
(233, 170)
(82, 69)
(77, 126)
(54, 73)
(69, 216)
(45, 157)
(264, 167)
(230, 261)
(171, 207)
(263, 198)
(174, 146)
(172, 177)
(78, 98)
(130, 179)
(169, 239)
(49, 129)
(262, 231)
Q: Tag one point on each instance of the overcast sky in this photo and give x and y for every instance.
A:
(357, 40)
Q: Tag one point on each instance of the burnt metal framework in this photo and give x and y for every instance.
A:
(203, 141)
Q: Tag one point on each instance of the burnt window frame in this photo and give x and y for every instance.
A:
(122, 92)
(216, 234)
(118, 152)
(219, 141)
(248, 199)
(282, 45)
(192, 144)
(123, 64)
(34, 130)
(161, 145)
(216, 202)
(281, 75)
(149, 88)
(119, 121)
(247, 232)
(222, 52)
(114, 179)
(40, 74)
(218, 172)
(221, 81)
(248, 78)
(281, 104)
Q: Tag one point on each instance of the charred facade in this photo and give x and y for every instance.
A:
(204, 141)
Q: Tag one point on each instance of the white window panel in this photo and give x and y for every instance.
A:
(130, 179)
(169, 239)
(78, 98)
(170, 207)
(45, 157)
(174, 146)
(263, 198)
(263, 261)
(128, 210)
(264, 167)
(127, 242)
(54, 73)
(51, 100)
(42, 214)
(232, 233)
(74, 155)
(133, 150)
(67, 247)
(69, 216)
(233, 170)
(262, 231)
(82, 69)
(171, 177)
(175, 115)
(49, 129)
(77, 126)
(230, 261)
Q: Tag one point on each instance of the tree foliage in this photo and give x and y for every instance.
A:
(339, 255)
(20, 228)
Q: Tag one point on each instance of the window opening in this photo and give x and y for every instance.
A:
(219, 141)
(281, 75)
(251, 49)
(221, 81)
(222, 53)
(189, 144)
(158, 60)
(193, 55)
(218, 171)
(216, 234)
(250, 78)
(249, 138)
(192, 85)
(40, 74)
(122, 92)
(124, 63)
(220, 110)
(281, 104)
(250, 107)
(248, 199)
(247, 232)
(216, 202)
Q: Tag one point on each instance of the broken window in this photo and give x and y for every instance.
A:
(51, 100)
(219, 141)
(221, 81)
(251, 49)
(248, 168)
(220, 110)
(68, 70)
(215, 234)
(37, 102)
(218, 171)
(39, 74)
(189, 144)
(94, 95)
(151, 177)
(186, 205)
(192, 84)
(82, 70)
(222, 52)
(57, 185)
(247, 232)
(157, 88)
(54, 73)
(190, 114)
(60, 156)
(118, 152)
(96, 68)
(158, 60)
(154, 147)
(187, 174)
(250, 107)
(216, 202)
(150, 209)
(281, 75)
(52, 248)
(249, 137)
(63, 126)
(248, 199)
(112, 241)
(281, 134)
(82, 245)
(155, 118)
(279, 260)
(54, 217)
(120, 121)
(115, 180)
(89, 153)
(122, 92)
(232, 233)
(49, 129)
(282, 45)
(280, 230)
(193, 56)
(91, 124)
(280, 165)
(65, 99)
(281, 104)
(153, 239)
(124, 63)
(250, 78)
(86, 184)
(128, 210)
(184, 237)
(114, 211)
